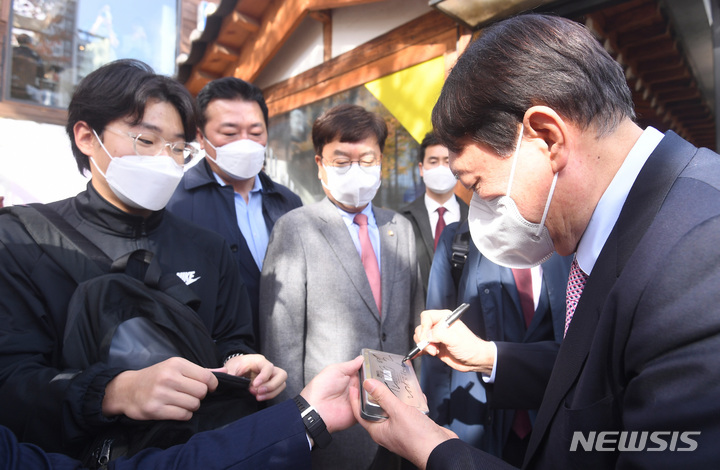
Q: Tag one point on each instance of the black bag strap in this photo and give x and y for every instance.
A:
(460, 250)
(140, 264)
(69, 248)
(90, 249)
(83, 260)
(144, 266)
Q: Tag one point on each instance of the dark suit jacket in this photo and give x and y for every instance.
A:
(273, 438)
(461, 400)
(200, 199)
(417, 213)
(641, 353)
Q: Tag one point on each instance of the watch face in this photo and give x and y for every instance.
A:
(399, 377)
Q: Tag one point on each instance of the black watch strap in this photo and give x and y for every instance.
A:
(314, 425)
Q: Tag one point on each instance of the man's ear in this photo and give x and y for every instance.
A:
(551, 130)
(84, 137)
(420, 165)
(321, 170)
(200, 137)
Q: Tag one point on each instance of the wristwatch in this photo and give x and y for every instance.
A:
(314, 424)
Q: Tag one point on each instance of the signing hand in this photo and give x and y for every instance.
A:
(172, 389)
(455, 345)
(267, 381)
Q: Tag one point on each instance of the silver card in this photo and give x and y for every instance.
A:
(399, 377)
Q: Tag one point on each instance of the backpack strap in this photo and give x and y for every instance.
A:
(83, 260)
(90, 249)
(144, 266)
(140, 264)
(63, 243)
(460, 249)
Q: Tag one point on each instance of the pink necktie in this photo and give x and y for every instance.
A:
(369, 260)
(440, 224)
(523, 281)
(575, 286)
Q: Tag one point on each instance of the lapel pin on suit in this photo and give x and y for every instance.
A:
(391, 233)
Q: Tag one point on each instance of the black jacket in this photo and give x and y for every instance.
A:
(200, 199)
(61, 410)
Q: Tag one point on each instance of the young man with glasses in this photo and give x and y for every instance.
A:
(341, 274)
(129, 128)
(227, 191)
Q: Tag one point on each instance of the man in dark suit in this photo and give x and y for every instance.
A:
(227, 191)
(438, 207)
(537, 102)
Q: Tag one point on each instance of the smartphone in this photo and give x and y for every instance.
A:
(399, 377)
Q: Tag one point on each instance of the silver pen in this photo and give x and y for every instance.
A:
(449, 320)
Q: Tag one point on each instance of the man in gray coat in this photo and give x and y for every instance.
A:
(340, 275)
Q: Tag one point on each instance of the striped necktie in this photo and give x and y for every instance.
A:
(575, 286)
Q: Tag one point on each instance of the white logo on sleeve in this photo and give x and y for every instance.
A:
(188, 277)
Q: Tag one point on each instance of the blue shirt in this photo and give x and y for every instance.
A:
(251, 221)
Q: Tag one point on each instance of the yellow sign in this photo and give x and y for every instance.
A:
(410, 94)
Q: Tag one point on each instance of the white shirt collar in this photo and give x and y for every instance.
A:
(608, 208)
(451, 205)
(349, 218)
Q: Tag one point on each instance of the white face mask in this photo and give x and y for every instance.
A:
(439, 179)
(140, 181)
(240, 159)
(355, 188)
(503, 235)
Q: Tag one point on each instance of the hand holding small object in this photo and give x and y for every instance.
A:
(449, 320)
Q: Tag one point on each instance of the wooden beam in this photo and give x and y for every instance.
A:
(655, 48)
(278, 23)
(325, 17)
(244, 21)
(236, 28)
(427, 30)
(386, 65)
(222, 52)
(679, 95)
(198, 80)
(322, 16)
(634, 16)
(327, 39)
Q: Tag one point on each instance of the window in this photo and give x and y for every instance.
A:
(53, 44)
